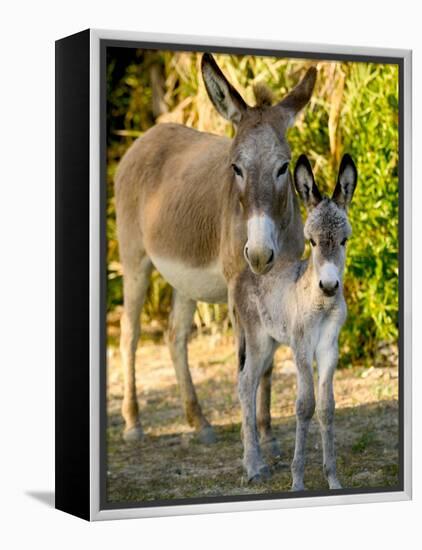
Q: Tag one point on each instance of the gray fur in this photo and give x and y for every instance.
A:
(290, 306)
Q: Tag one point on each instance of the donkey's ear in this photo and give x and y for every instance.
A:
(305, 183)
(346, 182)
(298, 97)
(225, 98)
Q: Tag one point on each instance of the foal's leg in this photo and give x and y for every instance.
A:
(305, 407)
(268, 442)
(256, 358)
(180, 326)
(327, 357)
(135, 286)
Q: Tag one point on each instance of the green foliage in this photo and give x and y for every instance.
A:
(366, 439)
(354, 109)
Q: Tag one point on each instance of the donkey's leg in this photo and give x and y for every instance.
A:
(180, 326)
(256, 359)
(327, 361)
(305, 408)
(135, 286)
(268, 442)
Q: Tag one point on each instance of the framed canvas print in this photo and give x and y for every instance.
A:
(233, 285)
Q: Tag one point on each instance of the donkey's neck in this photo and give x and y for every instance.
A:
(293, 239)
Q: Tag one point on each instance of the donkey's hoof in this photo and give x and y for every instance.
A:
(271, 448)
(133, 434)
(335, 484)
(263, 475)
(207, 435)
(298, 487)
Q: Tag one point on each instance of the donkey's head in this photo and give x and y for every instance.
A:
(327, 226)
(259, 159)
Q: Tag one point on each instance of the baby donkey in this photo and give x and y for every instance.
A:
(299, 304)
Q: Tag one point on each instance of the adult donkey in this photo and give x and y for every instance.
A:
(197, 206)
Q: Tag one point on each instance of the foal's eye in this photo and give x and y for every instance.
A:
(343, 242)
(283, 169)
(237, 170)
(313, 243)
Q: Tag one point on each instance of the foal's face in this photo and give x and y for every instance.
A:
(259, 159)
(327, 230)
(327, 227)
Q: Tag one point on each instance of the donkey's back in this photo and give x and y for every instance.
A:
(165, 172)
(167, 149)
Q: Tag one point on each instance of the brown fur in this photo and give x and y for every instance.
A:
(178, 201)
(168, 221)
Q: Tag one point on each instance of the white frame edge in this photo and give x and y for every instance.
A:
(207, 508)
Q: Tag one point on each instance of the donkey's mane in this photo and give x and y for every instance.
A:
(263, 95)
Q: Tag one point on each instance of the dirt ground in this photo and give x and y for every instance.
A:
(171, 464)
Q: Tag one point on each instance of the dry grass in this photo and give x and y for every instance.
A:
(171, 464)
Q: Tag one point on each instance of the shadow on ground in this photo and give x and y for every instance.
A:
(175, 465)
(45, 497)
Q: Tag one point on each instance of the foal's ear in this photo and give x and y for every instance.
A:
(225, 97)
(346, 182)
(305, 183)
(298, 97)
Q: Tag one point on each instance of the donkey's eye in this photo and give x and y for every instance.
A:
(237, 170)
(283, 169)
(343, 242)
(313, 243)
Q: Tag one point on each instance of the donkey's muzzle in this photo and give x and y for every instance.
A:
(260, 260)
(329, 289)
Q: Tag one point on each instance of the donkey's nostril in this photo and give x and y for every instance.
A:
(271, 258)
(328, 289)
(260, 259)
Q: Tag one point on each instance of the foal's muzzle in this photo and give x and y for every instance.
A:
(260, 259)
(329, 289)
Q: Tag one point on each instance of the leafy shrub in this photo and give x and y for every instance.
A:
(354, 109)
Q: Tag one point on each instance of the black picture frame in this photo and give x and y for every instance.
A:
(81, 272)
